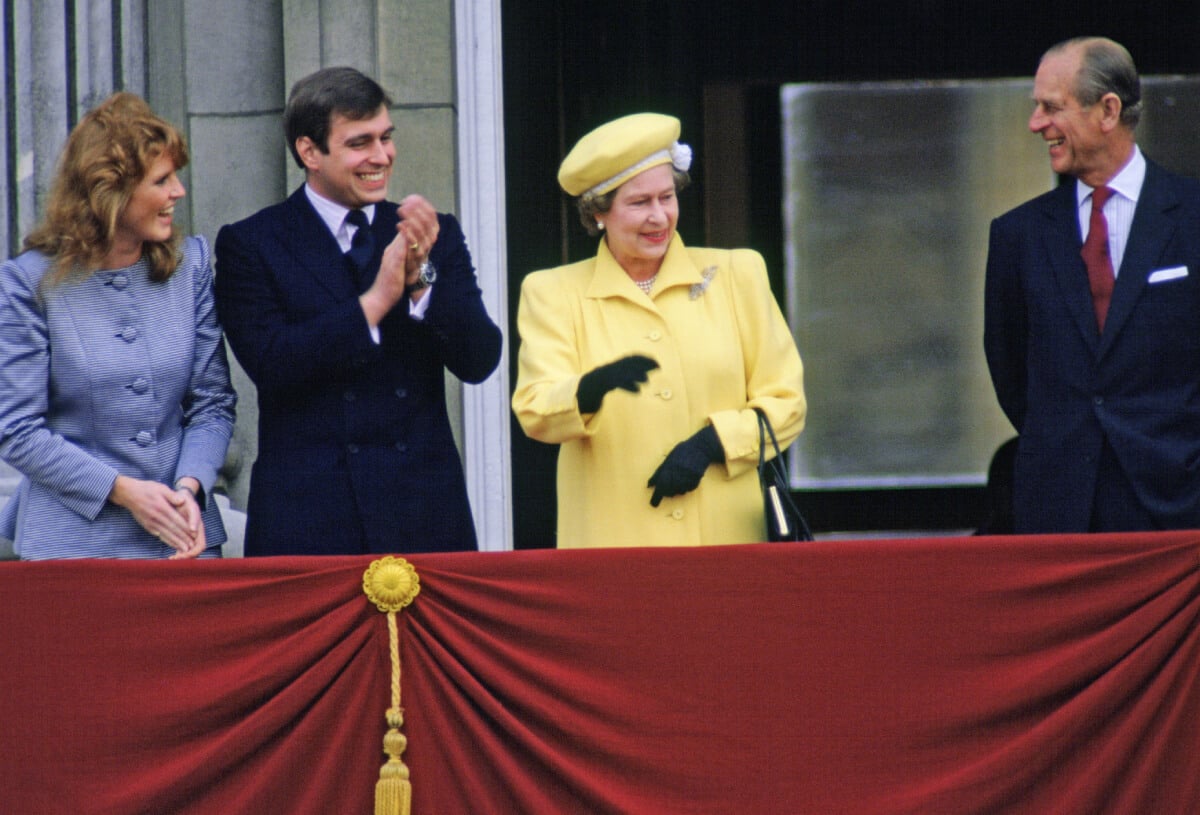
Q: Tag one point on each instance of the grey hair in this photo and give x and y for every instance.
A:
(1105, 67)
(592, 205)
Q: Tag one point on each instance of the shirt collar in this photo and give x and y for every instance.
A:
(1127, 183)
(333, 213)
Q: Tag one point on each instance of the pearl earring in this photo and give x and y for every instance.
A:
(600, 225)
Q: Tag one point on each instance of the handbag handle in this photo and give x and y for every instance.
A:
(765, 430)
(764, 427)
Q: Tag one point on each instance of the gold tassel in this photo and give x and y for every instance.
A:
(393, 792)
(391, 584)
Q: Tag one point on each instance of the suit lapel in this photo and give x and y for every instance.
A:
(1063, 243)
(313, 249)
(1153, 225)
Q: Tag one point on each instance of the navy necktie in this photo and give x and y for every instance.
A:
(362, 245)
(1095, 255)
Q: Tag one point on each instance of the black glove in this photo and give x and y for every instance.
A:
(684, 466)
(627, 373)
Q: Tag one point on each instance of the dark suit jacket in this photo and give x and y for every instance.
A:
(355, 452)
(1067, 389)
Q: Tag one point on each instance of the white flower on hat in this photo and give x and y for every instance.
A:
(681, 156)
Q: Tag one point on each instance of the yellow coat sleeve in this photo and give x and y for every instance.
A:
(548, 364)
(773, 370)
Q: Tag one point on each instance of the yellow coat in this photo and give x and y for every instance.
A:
(721, 353)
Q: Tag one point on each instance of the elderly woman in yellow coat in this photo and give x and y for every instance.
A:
(646, 362)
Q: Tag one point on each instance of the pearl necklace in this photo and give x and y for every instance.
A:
(647, 284)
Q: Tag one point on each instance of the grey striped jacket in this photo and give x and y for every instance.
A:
(108, 375)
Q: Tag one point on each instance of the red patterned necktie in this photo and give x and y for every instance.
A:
(1095, 255)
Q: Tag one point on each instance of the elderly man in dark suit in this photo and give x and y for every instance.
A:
(1092, 313)
(345, 310)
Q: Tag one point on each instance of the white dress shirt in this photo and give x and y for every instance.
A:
(1119, 209)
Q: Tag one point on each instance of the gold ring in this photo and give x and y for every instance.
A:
(414, 247)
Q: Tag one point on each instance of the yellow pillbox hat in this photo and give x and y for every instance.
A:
(615, 152)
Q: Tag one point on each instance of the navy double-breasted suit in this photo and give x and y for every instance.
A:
(1068, 389)
(355, 451)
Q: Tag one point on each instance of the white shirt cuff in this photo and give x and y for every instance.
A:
(417, 310)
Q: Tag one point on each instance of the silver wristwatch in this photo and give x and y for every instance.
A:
(426, 276)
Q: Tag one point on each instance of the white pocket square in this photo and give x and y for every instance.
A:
(1163, 275)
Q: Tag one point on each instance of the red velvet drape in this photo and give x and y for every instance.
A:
(965, 675)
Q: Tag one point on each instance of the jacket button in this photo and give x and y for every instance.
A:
(119, 282)
(401, 393)
(351, 448)
(144, 438)
(402, 447)
(655, 336)
(128, 333)
(349, 396)
(666, 393)
(139, 385)
(677, 514)
(1098, 400)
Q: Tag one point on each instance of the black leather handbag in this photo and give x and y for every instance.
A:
(784, 521)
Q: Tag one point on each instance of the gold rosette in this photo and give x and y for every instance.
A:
(391, 583)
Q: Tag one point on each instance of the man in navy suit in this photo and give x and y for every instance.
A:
(346, 310)
(1098, 371)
